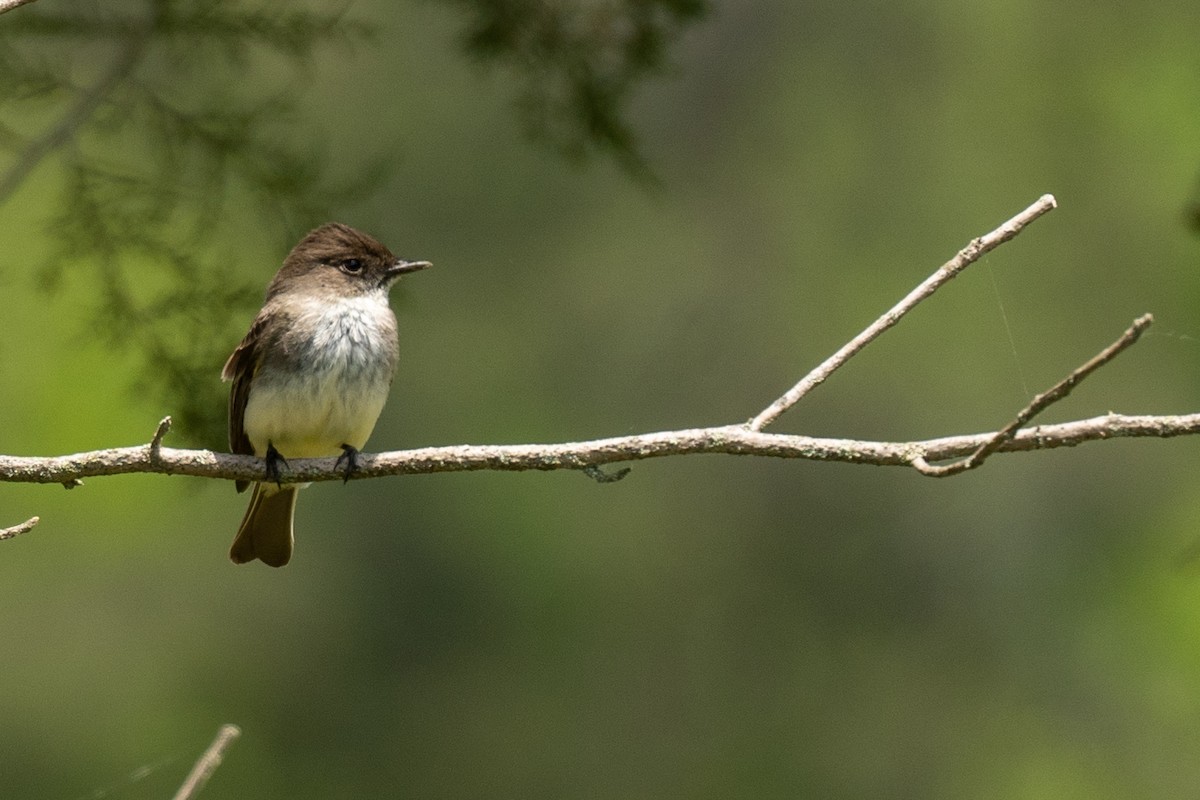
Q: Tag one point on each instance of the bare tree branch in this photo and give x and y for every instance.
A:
(208, 762)
(724, 439)
(746, 439)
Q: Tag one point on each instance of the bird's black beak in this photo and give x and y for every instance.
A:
(403, 267)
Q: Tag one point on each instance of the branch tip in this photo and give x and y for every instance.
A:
(208, 762)
(9, 5)
(163, 427)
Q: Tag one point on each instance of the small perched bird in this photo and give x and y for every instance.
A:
(313, 373)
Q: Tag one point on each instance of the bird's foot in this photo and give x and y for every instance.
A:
(350, 456)
(273, 460)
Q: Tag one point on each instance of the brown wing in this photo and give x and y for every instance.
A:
(240, 369)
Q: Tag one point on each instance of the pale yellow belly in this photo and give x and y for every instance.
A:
(310, 419)
(330, 384)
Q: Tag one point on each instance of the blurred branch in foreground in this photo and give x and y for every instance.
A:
(739, 439)
(208, 762)
(9, 5)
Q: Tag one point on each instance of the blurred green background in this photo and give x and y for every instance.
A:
(709, 627)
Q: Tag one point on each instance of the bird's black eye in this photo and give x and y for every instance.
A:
(351, 266)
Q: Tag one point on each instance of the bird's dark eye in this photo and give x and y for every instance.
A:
(351, 266)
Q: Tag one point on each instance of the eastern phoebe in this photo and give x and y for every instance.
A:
(313, 373)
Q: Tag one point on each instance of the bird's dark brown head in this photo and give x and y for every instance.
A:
(338, 259)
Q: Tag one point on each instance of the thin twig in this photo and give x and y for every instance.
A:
(163, 426)
(208, 762)
(1036, 406)
(17, 530)
(965, 257)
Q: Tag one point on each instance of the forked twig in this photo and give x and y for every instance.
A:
(1036, 406)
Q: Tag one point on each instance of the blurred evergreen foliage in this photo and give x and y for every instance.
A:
(578, 63)
(157, 146)
(166, 143)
